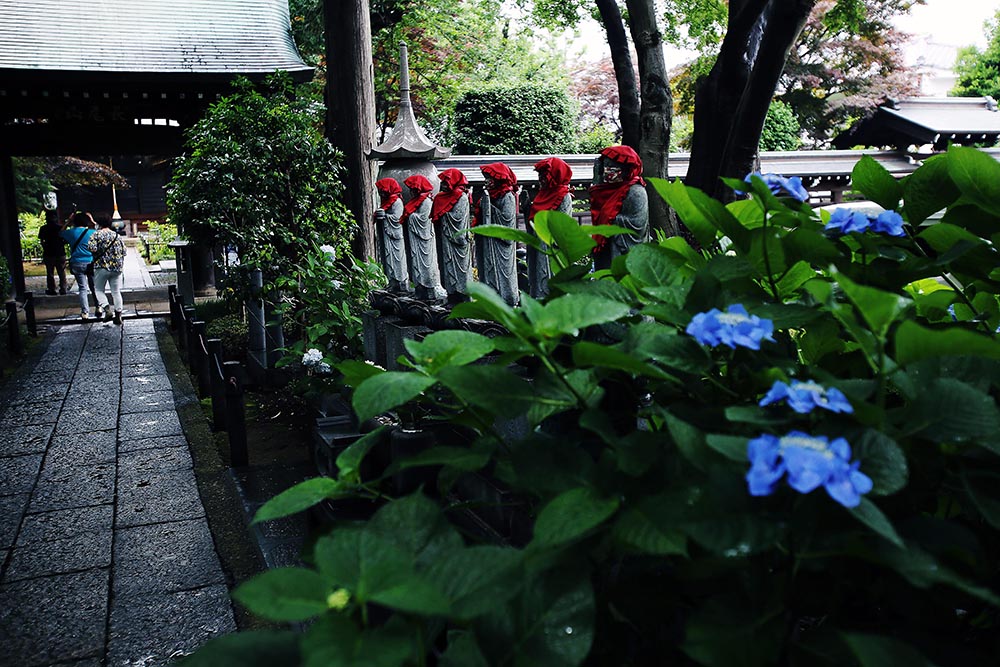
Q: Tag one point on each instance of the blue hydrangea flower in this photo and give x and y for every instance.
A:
(733, 328)
(845, 221)
(889, 223)
(807, 462)
(804, 396)
(780, 186)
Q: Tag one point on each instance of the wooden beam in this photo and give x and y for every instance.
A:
(91, 139)
(10, 235)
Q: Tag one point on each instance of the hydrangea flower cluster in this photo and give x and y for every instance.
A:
(313, 359)
(780, 186)
(804, 396)
(329, 250)
(808, 462)
(733, 328)
(845, 221)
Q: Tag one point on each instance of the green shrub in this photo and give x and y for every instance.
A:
(595, 140)
(515, 120)
(5, 282)
(233, 332)
(30, 223)
(781, 129)
(786, 452)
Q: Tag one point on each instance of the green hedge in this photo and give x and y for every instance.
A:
(525, 119)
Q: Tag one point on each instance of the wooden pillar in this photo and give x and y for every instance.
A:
(10, 237)
(350, 108)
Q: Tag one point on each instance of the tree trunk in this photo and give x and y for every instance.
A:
(350, 103)
(657, 107)
(621, 58)
(732, 101)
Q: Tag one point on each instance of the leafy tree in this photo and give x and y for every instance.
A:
(34, 176)
(257, 174)
(978, 71)
(517, 119)
(781, 129)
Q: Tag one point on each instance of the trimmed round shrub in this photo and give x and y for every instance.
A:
(781, 129)
(525, 119)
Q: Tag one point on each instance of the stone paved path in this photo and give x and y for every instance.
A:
(105, 553)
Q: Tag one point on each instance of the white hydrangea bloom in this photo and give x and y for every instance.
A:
(323, 368)
(329, 250)
(312, 357)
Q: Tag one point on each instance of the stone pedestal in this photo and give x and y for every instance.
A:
(395, 334)
(373, 335)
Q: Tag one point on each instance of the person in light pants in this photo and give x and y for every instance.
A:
(109, 259)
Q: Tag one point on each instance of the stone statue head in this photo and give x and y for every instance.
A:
(614, 172)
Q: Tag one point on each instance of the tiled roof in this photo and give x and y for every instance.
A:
(152, 36)
(921, 121)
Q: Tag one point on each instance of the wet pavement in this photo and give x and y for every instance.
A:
(106, 557)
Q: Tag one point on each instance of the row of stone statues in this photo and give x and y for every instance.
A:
(425, 239)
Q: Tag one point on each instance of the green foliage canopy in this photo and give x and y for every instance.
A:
(978, 71)
(258, 174)
(516, 119)
(781, 129)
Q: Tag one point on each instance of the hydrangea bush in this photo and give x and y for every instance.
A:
(786, 452)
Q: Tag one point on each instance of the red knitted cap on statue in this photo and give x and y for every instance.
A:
(445, 201)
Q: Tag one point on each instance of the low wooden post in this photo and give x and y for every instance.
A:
(13, 329)
(172, 300)
(201, 358)
(189, 315)
(182, 342)
(236, 425)
(29, 313)
(217, 383)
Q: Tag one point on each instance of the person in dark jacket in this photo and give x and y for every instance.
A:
(53, 253)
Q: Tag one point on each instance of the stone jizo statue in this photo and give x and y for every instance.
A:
(420, 232)
(390, 231)
(619, 199)
(498, 261)
(450, 215)
(554, 176)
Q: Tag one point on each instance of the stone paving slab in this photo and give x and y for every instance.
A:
(18, 473)
(144, 368)
(165, 558)
(144, 463)
(85, 415)
(24, 414)
(149, 425)
(63, 489)
(149, 401)
(66, 523)
(61, 555)
(71, 452)
(56, 618)
(140, 637)
(26, 439)
(152, 443)
(145, 383)
(11, 510)
(157, 498)
(41, 393)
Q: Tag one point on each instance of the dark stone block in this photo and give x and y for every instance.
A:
(52, 619)
(83, 487)
(11, 511)
(373, 335)
(140, 637)
(152, 443)
(83, 413)
(82, 449)
(149, 425)
(18, 473)
(395, 334)
(30, 413)
(164, 558)
(145, 383)
(146, 462)
(150, 401)
(131, 357)
(65, 523)
(25, 439)
(146, 368)
(168, 496)
(68, 554)
(39, 393)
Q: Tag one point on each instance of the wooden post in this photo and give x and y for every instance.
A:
(13, 329)
(172, 300)
(350, 103)
(29, 313)
(189, 342)
(236, 425)
(182, 327)
(201, 358)
(217, 383)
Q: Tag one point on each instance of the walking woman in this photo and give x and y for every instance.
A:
(109, 258)
(77, 237)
